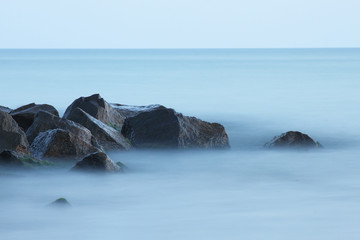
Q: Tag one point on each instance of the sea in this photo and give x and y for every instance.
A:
(246, 192)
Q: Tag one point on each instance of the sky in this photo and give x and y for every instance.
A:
(179, 24)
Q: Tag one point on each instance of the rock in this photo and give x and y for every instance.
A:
(5, 109)
(108, 137)
(46, 121)
(59, 143)
(12, 158)
(161, 127)
(25, 115)
(11, 135)
(98, 162)
(60, 202)
(96, 107)
(293, 139)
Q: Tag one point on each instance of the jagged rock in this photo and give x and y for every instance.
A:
(25, 115)
(59, 143)
(96, 107)
(98, 161)
(5, 109)
(46, 121)
(160, 127)
(11, 135)
(10, 158)
(108, 137)
(293, 139)
(60, 202)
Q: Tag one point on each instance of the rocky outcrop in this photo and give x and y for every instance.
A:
(96, 107)
(46, 121)
(15, 159)
(25, 115)
(292, 139)
(59, 143)
(11, 135)
(98, 162)
(160, 127)
(107, 136)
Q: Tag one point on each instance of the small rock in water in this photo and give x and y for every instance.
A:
(60, 202)
(293, 139)
(98, 162)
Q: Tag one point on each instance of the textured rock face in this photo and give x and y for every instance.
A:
(11, 135)
(96, 107)
(162, 127)
(59, 143)
(46, 121)
(25, 115)
(108, 137)
(98, 161)
(293, 139)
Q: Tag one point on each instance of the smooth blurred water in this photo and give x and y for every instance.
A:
(243, 193)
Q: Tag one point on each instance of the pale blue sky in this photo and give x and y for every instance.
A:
(179, 24)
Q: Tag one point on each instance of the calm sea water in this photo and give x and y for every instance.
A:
(243, 193)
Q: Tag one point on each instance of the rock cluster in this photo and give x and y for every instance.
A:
(91, 125)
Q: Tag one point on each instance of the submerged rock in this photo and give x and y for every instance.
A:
(59, 143)
(10, 158)
(11, 135)
(107, 136)
(60, 202)
(25, 115)
(96, 107)
(99, 162)
(293, 139)
(161, 127)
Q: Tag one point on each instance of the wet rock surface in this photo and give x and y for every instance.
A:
(25, 115)
(96, 107)
(97, 162)
(59, 143)
(11, 135)
(107, 136)
(292, 140)
(161, 127)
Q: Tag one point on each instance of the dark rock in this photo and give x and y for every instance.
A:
(96, 107)
(293, 139)
(59, 143)
(107, 136)
(46, 121)
(5, 109)
(60, 202)
(10, 158)
(14, 159)
(11, 135)
(25, 115)
(160, 127)
(99, 162)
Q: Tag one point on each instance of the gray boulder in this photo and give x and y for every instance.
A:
(98, 162)
(108, 137)
(59, 143)
(161, 127)
(25, 115)
(11, 135)
(292, 139)
(46, 121)
(96, 107)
